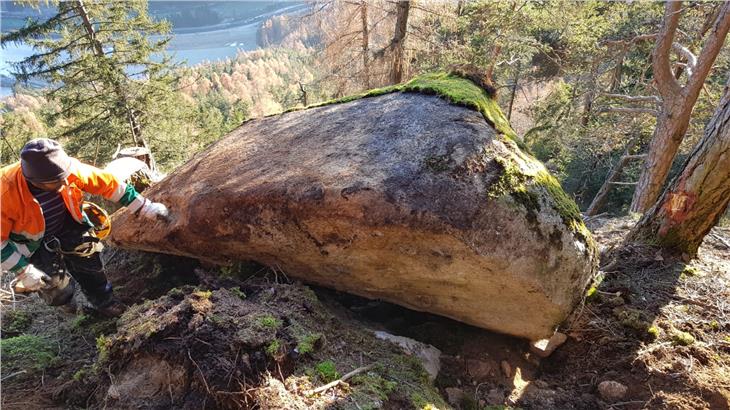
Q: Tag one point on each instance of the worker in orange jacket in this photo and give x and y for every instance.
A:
(43, 223)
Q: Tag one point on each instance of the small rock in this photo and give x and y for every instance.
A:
(430, 356)
(546, 347)
(454, 395)
(587, 398)
(540, 384)
(482, 369)
(495, 397)
(113, 392)
(611, 390)
(506, 369)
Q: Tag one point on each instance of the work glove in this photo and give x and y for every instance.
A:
(152, 210)
(31, 279)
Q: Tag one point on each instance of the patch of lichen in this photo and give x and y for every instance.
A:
(448, 85)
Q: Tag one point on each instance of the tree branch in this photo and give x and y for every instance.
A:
(664, 77)
(623, 183)
(688, 55)
(628, 110)
(338, 381)
(634, 98)
(710, 50)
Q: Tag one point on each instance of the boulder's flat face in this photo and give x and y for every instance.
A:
(402, 197)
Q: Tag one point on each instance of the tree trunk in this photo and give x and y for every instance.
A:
(365, 44)
(668, 134)
(398, 42)
(698, 197)
(590, 93)
(134, 125)
(618, 72)
(513, 91)
(678, 102)
(600, 199)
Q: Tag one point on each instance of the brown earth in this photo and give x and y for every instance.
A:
(629, 331)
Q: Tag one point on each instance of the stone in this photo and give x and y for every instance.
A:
(612, 390)
(506, 369)
(546, 347)
(482, 369)
(454, 396)
(402, 197)
(429, 356)
(495, 397)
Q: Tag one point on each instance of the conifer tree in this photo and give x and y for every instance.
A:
(106, 67)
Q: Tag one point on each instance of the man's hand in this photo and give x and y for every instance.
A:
(152, 210)
(31, 279)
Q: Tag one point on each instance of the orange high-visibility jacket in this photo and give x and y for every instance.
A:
(22, 222)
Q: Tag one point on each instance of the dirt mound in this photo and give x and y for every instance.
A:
(267, 346)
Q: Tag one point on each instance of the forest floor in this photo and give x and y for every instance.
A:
(202, 336)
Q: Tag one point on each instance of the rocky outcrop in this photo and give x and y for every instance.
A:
(402, 196)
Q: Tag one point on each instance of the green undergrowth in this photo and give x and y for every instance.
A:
(327, 371)
(27, 353)
(451, 87)
(15, 322)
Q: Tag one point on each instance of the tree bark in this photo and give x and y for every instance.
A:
(513, 91)
(365, 44)
(590, 93)
(697, 198)
(678, 102)
(398, 42)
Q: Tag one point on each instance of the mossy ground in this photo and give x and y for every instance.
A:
(223, 339)
(15, 322)
(27, 352)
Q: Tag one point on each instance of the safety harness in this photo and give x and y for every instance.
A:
(90, 242)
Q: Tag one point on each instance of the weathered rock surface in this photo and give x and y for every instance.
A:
(403, 197)
(611, 390)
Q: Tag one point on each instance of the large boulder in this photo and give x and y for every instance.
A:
(401, 196)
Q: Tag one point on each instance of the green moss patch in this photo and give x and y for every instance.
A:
(27, 352)
(450, 86)
(327, 371)
(15, 322)
(268, 321)
(526, 180)
(682, 338)
(307, 343)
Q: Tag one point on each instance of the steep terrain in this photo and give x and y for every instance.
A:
(657, 327)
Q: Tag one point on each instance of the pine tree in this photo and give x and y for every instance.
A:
(106, 67)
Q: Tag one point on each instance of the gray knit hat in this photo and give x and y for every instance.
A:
(43, 160)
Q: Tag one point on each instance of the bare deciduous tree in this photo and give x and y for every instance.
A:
(697, 198)
(677, 100)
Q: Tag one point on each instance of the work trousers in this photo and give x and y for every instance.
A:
(58, 257)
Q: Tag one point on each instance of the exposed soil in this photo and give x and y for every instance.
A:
(225, 339)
